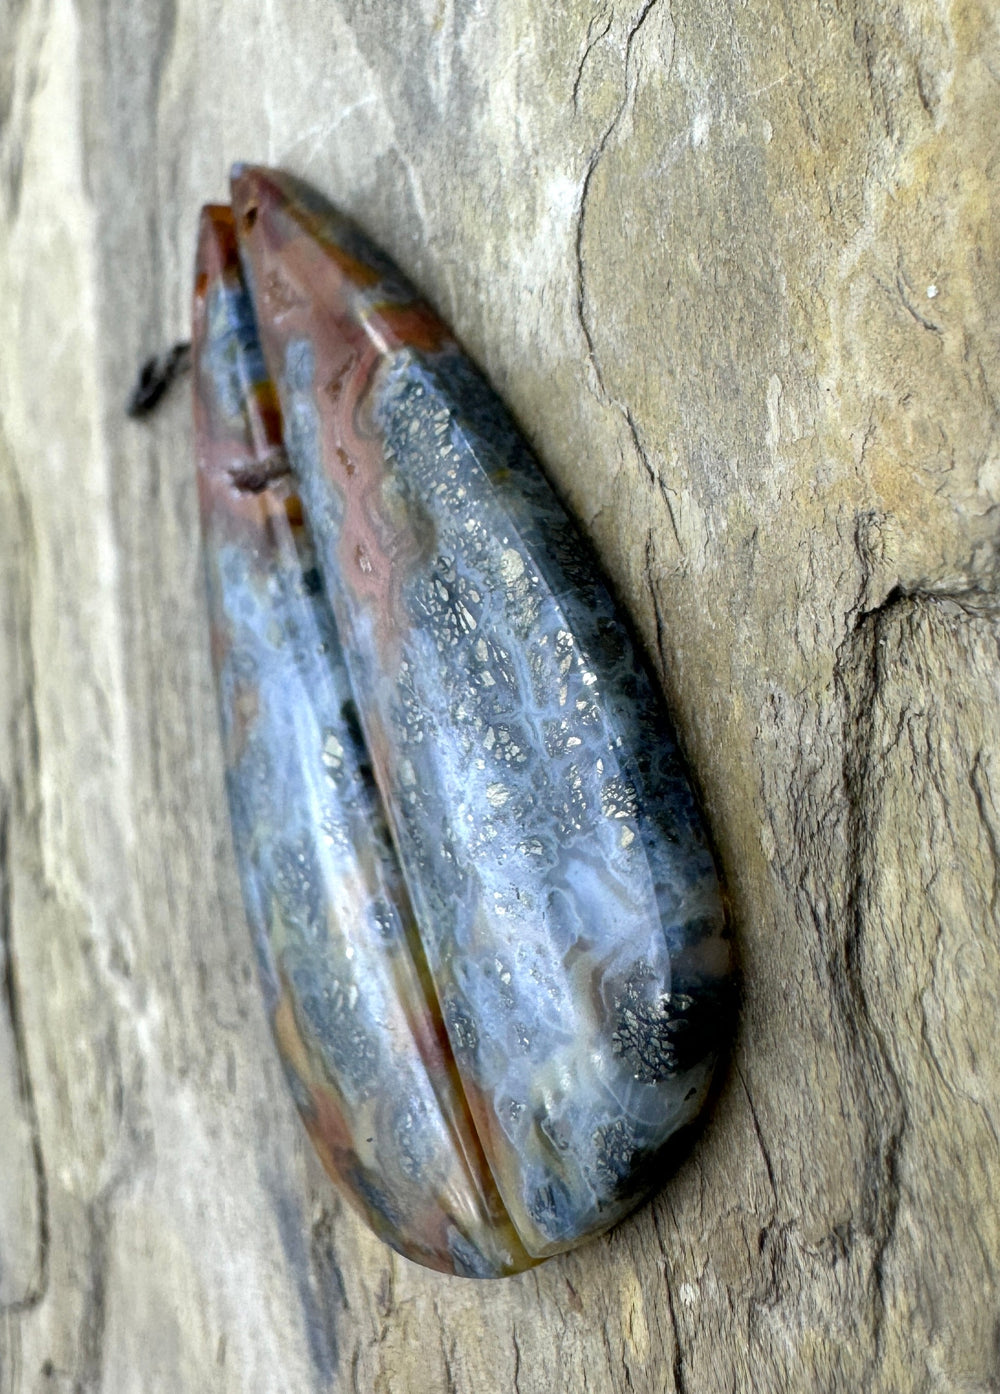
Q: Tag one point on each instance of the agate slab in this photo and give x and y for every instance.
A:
(553, 1004)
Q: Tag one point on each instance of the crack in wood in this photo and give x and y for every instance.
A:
(860, 678)
(38, 1287)
(677, 1364)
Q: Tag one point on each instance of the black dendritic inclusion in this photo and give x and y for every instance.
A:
(650, 1028)
(616, 1149)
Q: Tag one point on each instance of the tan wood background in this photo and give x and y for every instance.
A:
(735, 267)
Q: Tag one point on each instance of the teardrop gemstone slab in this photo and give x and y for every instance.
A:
(341, 962)
(565, 892)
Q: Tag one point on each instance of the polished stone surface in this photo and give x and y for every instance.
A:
(565, 893)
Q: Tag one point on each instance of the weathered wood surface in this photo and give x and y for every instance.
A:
(736, 270)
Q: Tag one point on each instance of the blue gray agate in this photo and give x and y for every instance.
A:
(562, 887)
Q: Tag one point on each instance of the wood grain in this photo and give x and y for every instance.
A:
(736, 271)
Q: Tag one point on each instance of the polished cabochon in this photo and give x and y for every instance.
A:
(489, 925)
